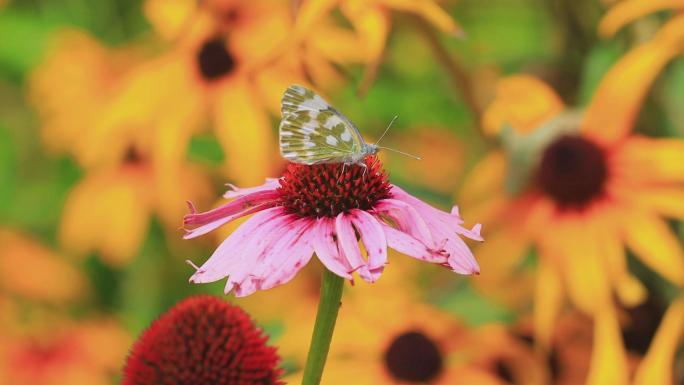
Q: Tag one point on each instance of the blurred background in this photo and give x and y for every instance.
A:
(114, 113)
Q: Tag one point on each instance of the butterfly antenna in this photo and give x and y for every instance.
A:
(387, 129)
(401, 152)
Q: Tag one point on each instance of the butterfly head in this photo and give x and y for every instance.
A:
(370, 149)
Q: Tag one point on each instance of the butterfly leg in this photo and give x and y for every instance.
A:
(339, 178)
(365, 170)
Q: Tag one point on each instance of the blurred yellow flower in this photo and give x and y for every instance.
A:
(423, 345)
(372, 22)
(594, 190)
(522, 101)
(386, 334)
(69, 98)
(572, 345)
(31, 271)
(126, 182)
(219, 71)
(123, 198)
(89, 352)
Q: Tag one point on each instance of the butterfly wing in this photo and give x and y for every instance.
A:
(312, 132)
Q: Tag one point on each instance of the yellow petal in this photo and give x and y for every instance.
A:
(372, 24)
(150, 93)
(310, 12)
(665, 200)
(628, 11)
(339, 45)
(485, 179)
(500, 259)
(169, 17)
(32, 271)
(576, 250)
(629, 290)
(244, 130)
(522, 101)
(469, 374)
(642, 161)
(119, 200)
(548, 301)
(653, 242)
(69, 98)
(612, 111)
(656, 367)
(430, 11)
(174, 182)
(608, 359)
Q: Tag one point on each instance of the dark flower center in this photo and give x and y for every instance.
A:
(413, 357)
(132, 156)
(572, 172)
(202, 340)
(214, 60)
(325, 190)
(503, 371)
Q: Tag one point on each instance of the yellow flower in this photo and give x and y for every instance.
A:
(89, 352)
(372, 21)
(31, 271)
(126, 181)
(593, 190)
(218, 71)
(110, 209)
(385, 335)
(69, 87)
(581, 223)
(653, 336)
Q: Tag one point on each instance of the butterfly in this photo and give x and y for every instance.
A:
(313, 132)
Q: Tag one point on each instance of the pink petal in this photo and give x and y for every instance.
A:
(461, 259)
(473, 233)
(373, 238)
(349, 246)
(262, 249)
(294, 253)
(325, 245)
(407, 219)
(198, 231)
(212, 219)
(412, 247)
(235, 192)
(445, 228)
(423, 208)
(228, 254)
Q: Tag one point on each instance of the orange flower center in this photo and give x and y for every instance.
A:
(413, 357)
(572, 172)
(214, 60)
(325, 190)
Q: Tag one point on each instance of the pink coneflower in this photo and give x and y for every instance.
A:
(326, 209)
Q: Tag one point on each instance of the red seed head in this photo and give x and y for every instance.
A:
(325, 190)
(202, 340)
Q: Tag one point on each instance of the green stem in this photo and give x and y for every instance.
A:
(328, 306)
